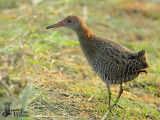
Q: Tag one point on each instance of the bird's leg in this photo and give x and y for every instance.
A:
(119, 95)
(109, 100)
(109, 95)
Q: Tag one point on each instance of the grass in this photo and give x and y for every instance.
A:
(45, 72)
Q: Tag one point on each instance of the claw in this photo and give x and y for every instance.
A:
(115, 104)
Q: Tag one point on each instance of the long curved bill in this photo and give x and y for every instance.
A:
(58, 24)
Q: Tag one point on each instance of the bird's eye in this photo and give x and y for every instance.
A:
(69, 21)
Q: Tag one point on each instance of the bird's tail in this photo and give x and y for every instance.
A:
(142, 58)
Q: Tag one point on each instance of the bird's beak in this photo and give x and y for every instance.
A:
(58, 24)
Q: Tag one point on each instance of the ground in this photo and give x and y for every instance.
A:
(45, 72)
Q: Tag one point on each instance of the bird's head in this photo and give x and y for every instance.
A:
(72, 22)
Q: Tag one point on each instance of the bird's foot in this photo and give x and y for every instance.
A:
(115, 104)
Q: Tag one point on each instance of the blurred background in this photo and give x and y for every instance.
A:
(45, 73)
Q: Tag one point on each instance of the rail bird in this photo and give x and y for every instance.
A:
(112, 62)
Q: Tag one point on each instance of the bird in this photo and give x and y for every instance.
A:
(111, 61)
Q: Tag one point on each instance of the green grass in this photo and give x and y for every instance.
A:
(45, 72)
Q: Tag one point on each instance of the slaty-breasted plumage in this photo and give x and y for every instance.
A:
(112, 62)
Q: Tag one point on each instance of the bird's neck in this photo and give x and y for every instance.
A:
(85, 37)
(84, 32)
